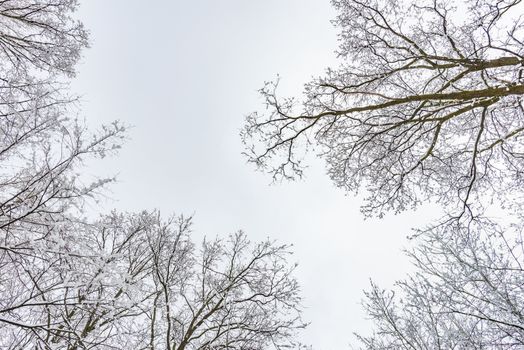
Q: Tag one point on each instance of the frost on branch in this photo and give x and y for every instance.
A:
(136, 281)
(425, 105)
(465, 293)
(126, 281)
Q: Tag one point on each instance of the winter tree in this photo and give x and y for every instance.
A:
(135, 281)
(426, 105)
(126, 280)
(41, 148)
(466, 292)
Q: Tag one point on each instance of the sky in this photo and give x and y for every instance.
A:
(183, 75)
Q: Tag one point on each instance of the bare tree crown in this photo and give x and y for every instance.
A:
(125, 281)
(427, 104)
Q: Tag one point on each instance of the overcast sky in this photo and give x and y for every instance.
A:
(184, 74)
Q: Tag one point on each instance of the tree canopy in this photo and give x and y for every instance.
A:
(124, 280)
(425, 105)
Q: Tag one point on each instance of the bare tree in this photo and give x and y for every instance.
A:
(39, 38)
(466, 292)
(40, 144)
(41, 149)
(426, 104)
(124, 281)
(135, 281)
(231, 295)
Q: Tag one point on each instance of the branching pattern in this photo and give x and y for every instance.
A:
(466, 292)
(126, 281)
(135, 281)
(427, 105)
